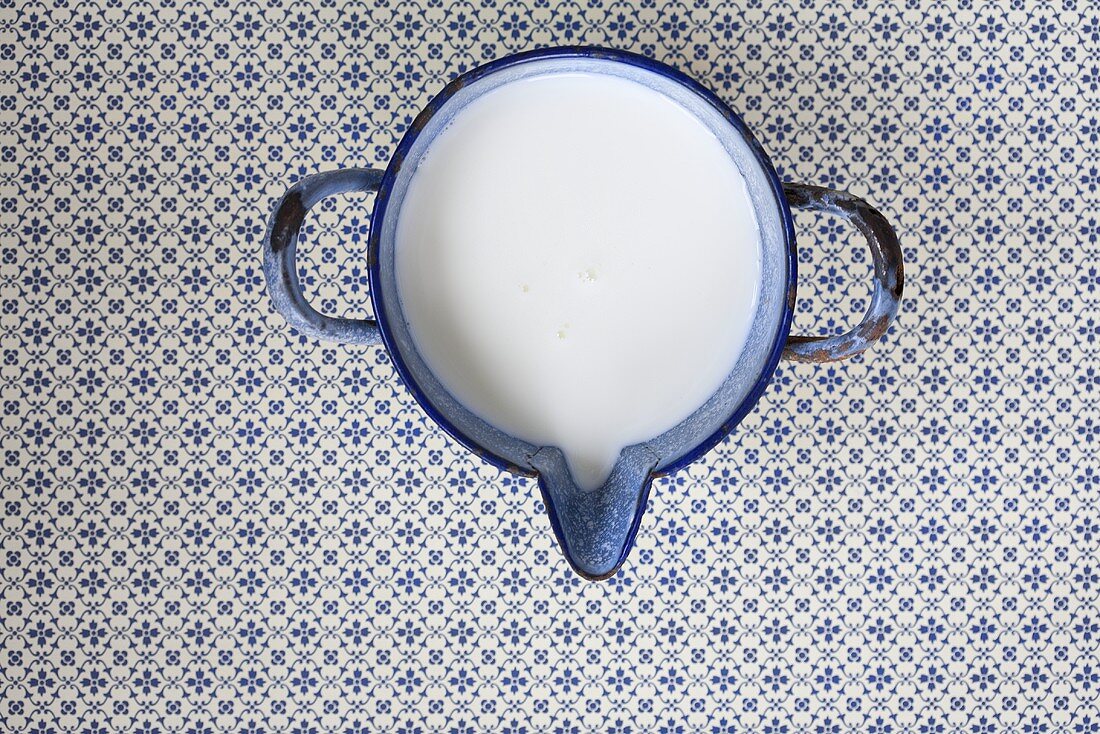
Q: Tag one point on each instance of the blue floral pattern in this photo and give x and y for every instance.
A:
(212, 524)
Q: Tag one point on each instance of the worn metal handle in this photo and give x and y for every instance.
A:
(280, 268)
(886, 253)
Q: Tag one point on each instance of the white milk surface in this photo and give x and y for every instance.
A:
(578, 261)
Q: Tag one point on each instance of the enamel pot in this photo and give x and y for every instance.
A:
(595, 528)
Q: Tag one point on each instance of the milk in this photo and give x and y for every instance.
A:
(578, 261)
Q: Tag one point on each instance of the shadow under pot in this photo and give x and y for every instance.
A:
(606, 205)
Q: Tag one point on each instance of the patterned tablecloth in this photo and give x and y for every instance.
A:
(211, 524)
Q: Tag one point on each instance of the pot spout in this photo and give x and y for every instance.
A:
(596, 528)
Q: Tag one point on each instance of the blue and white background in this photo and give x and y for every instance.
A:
(210, 524)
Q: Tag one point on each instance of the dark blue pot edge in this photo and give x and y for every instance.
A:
(382, 199)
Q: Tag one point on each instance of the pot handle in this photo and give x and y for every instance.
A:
(886, 253)
(280, 267)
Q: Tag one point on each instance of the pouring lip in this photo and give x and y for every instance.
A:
(639, 457)
(627, 546)
(487, 453)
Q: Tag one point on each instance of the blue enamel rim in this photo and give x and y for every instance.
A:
(624, 57)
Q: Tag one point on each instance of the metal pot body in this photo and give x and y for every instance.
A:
(595, 528)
